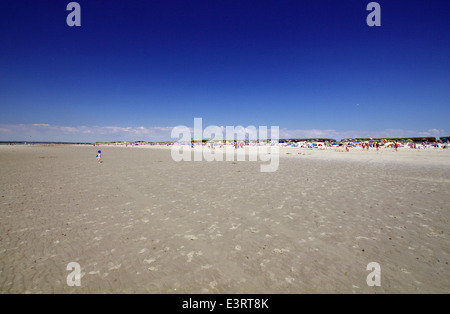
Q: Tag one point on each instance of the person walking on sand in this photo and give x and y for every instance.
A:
(99, 156)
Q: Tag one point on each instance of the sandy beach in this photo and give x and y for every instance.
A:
(140, 222)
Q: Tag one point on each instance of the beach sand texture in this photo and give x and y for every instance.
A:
(140, 222)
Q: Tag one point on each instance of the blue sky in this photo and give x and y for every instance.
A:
(135, 69)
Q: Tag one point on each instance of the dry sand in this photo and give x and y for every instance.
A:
(141, 223)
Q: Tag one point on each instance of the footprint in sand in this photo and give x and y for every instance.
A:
(280, 251)
(289, 279)
(405, 271)
(191, 254)
(234, 226)
(114, 267)
(213, 284)
(149, 261)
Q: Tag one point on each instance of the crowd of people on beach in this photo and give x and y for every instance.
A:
(367, 145)
(326, 145)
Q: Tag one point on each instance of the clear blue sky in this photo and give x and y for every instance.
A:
(299, 65)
